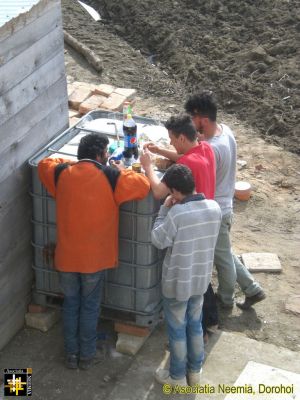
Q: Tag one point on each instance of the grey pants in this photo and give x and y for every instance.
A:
(229, 268)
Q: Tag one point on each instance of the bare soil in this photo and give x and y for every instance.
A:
(247, 54)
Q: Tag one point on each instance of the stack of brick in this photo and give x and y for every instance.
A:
(85, 97)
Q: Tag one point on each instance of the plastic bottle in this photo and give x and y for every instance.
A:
(117, 155)
(127, 109)
(130, 140)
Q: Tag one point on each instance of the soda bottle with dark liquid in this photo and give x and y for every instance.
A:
(130, 139)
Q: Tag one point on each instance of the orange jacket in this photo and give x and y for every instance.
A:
(87, 211)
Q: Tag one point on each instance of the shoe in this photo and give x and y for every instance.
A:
(71, 361)
(88, 363)
(193, 378)
(163, 377)
(225, 306)
(250, 301)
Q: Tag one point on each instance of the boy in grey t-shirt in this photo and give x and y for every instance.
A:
(203, 109)
(187, 226)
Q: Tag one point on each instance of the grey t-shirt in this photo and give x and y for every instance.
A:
(225, 151)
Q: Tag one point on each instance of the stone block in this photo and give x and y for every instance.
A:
(114, 102)
(262, 262)
(42, 321)
(104, 89)
(292, 305)
(91, 103)
(129, 344)
(78, 96)
(129, 94)
(132, 329)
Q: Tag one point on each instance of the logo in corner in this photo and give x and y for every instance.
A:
(17, 382)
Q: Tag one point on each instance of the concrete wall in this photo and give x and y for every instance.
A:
(33, 109)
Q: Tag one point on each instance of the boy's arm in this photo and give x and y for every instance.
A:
(170, 154)
(159, 189)
(131, 186)
(46, 171)
(164, 229)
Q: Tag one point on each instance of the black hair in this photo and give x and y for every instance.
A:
(180, 178)
(203, 104)
(92, 145)
(182, 125)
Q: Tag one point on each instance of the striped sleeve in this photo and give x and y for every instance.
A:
(164, 229)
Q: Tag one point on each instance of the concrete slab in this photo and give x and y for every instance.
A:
(264, 381)
(261, 262)
(230, 355)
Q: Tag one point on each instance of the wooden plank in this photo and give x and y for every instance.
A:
(20, 125)
(20, 151)
(31, 87)
(25, 63)
(41, 19)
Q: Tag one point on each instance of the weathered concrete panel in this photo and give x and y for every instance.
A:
(33, 110)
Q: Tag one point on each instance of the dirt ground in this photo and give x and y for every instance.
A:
(248, 57)
(246, 52)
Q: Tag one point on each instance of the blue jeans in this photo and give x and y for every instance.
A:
(183, 319)
(229, 268)
(81, 307)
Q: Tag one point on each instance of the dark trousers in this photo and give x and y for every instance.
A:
(210, 310)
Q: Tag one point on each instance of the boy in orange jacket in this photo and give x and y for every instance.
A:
(88, 194)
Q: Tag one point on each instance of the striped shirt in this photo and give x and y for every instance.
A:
(189, 231)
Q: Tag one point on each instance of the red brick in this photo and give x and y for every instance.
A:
(132, 329)
(91, 103)
(129, 94)
(78, 96)
(114, 102)
(36, 308)
(104, 89)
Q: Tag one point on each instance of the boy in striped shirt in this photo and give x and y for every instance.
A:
(188, 226)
